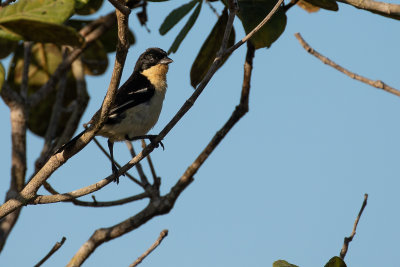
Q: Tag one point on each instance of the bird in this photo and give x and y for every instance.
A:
(137, 105)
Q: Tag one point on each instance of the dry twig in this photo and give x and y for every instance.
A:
(377, 84)
(56, 247)
(163, 234)
(347, 240)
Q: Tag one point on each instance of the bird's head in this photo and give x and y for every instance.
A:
(153, 57)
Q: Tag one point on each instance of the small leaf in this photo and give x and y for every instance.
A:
(252, 12)
(175, 16)
(92, 6)
(50, 11)
(9, 35)
(336, 262)
(282, 263)
(307, 6)
(2, 76)
(95, 59)
(182, 34)
(44, 32)
(209, 49)
(325, 4)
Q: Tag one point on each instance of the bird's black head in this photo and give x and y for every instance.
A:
(151, 57)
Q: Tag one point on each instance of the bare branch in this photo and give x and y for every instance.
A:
(39, 199)
(163, 234)
(150, 162)
(116, 163)
(347, 240)
(138, 166)
(377, 84)
(381, 8)
(54, 249)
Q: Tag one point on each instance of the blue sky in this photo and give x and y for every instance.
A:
(286, 183)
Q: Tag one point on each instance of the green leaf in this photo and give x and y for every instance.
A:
(6, 47)
(51, 11)
(39, 20)
(282, 263)
(252, 12)
(95, 59)
(9, 35)
(182, 34)
(175, 16)
(44, 61)
(325, 4)
(336, 262)
(91, 6)
(209, 49)
(44, 32)
(2, 75)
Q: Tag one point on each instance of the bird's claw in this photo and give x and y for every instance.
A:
(115, 173)
(156, 144)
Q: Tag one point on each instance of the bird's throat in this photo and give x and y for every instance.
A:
(157, 75)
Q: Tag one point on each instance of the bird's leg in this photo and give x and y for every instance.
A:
(151, 137)
(113, 166)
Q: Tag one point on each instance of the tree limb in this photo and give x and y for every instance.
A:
(53, 250)
(380, 8)
(347, 240)
(163, 234)
(377, 84)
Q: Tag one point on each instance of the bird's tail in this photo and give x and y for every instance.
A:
(70, 142)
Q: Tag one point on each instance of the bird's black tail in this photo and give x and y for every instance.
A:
(70, 142)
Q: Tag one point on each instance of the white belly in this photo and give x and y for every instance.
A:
(138, 120)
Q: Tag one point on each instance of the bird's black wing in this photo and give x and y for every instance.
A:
(136, 90)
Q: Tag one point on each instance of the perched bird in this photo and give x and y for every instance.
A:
(137, 104)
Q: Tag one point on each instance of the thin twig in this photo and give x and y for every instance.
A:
(163, 234)
(212, 8)
(347, 240)
(138, 166)
(256, 29)
(151, 165)
(377, 84)
(56, 247)
(116, 163)
(96, 203)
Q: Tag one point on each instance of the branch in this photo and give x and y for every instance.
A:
(138, 166)
(163, 234)
(377, 84)
(51, 252)
(347, 240)
(121, 7)
(156, 179)
(116, 163)
(57, 160)
(380, 8)
(18, 118)
(96, 203)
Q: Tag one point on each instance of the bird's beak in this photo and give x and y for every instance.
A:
(166, 61)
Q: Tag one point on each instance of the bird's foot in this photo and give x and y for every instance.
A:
(115, 173)
(151, 137)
